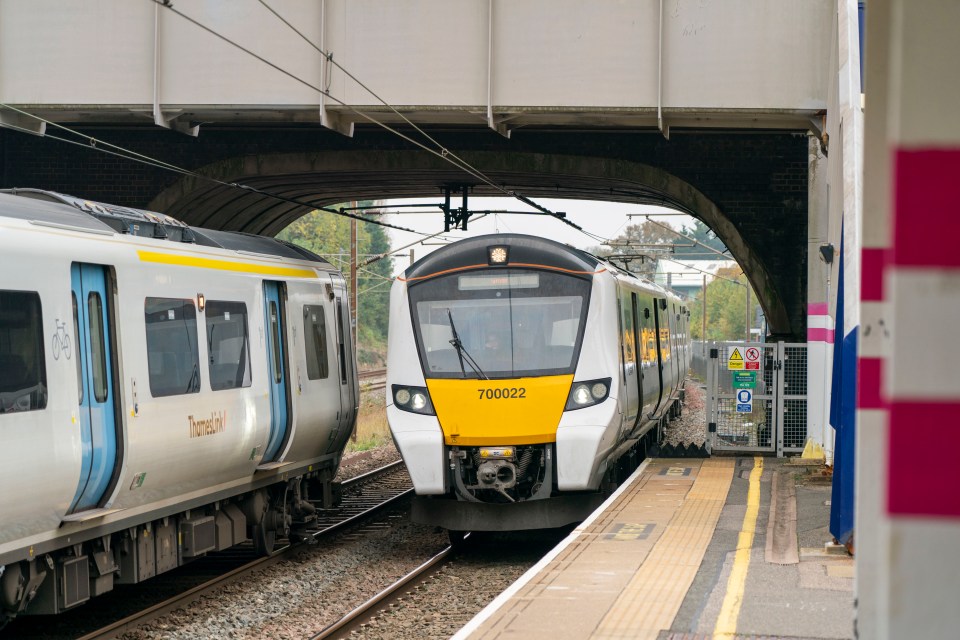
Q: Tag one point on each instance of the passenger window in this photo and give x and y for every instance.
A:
(315, 342)
(98, 353)
(23, 372)
(172, 346)
(228, 344)
(275, 342)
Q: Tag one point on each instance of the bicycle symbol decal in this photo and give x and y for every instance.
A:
(61, 341)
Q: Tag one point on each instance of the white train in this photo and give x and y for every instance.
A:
(165, 391)
(526, 379)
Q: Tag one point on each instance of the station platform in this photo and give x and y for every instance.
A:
(726, 547)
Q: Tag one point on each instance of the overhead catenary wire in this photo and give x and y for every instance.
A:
(103, 146)
(444, 153)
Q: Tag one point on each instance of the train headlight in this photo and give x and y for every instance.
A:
(413, 399)
(588, 393)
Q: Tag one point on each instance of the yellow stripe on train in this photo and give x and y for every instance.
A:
(499, 412)
(224, 265)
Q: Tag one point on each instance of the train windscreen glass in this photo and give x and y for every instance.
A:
(500, 323)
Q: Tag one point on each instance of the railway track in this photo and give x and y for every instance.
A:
(363, 496)
(373, 380)
(359, 616)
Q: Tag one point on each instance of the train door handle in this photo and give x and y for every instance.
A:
(629, 368)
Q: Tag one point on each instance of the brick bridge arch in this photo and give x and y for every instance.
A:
(329, 177)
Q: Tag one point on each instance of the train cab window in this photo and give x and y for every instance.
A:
(23, 373)
(228, 344)
(315, 342)
(172, 355)
(500, 323)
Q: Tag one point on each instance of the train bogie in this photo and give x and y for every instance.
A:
(164, 392)
(522, 374)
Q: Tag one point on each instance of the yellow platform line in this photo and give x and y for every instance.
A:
(650, 601)
(732, 601)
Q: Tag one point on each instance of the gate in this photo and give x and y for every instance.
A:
(775, 421)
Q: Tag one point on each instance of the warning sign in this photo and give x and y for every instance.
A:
(735, 361)
(753, 359)
(744, 401)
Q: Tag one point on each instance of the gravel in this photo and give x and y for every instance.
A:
(297, 598)
(691, 426)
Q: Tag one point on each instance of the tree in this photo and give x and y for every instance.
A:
(726, 307)
(702, 234)
(328, 235)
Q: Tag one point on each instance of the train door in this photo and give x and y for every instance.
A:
(631, 369)
(648, 355)
(275, 323)
(346, 369)
(662, 346)
(98, 415)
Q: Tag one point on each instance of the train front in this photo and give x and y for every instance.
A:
(485, 339)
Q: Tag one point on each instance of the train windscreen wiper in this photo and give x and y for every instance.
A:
(462, 351)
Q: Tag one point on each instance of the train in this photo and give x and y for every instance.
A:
(165, 391)
(526, 379)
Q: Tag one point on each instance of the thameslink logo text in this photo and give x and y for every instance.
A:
(215, 424)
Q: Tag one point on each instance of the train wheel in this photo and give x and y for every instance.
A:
(264, 540)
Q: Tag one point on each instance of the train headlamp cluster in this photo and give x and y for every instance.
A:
(587, 393)
(413, 399)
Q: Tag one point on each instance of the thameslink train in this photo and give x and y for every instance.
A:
(165, 391)
(526, 378)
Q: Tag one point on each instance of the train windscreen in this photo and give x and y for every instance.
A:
(499, 323)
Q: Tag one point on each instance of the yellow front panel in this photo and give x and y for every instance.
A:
(499, 412)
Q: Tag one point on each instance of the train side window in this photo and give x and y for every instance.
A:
(315, 342)
(275, 342)
(341, 338)
(228, 344)
(172, 355)
(23, 372)
(98, 352)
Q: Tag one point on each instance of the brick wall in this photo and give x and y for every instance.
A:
(758, 179)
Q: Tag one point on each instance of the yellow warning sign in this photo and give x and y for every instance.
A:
(735, 361)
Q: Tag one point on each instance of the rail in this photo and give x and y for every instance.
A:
(379, 489)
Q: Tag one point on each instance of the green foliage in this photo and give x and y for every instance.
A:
(701, 233)
(328, 235)
(726, 307)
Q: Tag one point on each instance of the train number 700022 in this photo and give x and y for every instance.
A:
(502, 394)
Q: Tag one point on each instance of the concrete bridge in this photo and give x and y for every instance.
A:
(715, 108)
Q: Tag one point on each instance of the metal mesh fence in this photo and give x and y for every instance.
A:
(744, 430)
(795, 370)
(794, 423)
(778, 416)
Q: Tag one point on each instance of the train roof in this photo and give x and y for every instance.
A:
(522, 250)
(57, 209)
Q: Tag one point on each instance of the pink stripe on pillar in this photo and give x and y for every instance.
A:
(921, 481)
(871, 273)
(820, 335)
(818, 309)
(926, 208)
(869, 384)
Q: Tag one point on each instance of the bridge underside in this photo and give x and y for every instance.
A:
(750, 187)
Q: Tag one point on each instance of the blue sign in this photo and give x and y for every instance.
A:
(744, 401)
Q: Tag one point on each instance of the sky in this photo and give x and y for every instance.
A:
(604, 219)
